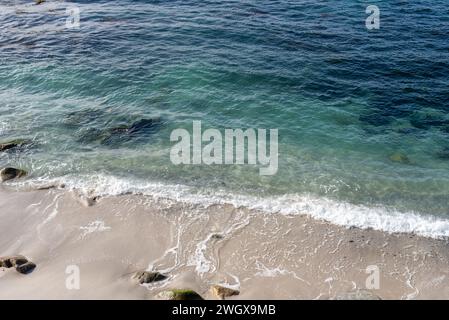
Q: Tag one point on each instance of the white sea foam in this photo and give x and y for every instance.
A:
(340, 213)
(3, 127)
(94, 226)
(199, 260)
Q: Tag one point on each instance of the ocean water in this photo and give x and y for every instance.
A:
(346, 100)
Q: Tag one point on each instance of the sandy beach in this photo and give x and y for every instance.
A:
(264, 256)
(245, 150)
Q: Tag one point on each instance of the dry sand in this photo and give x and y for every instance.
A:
(265, 256)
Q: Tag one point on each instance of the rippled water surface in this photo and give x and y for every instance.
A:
(362, 115)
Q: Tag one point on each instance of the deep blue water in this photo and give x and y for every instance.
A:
(347, 101)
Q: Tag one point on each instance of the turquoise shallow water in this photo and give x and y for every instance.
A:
(344, 99)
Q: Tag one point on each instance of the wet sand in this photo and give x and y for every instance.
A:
(264, 256)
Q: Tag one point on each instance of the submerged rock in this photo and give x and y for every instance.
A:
(375, 119)
(443, 154)
(145, 125)
(119, 130)
(84, 117)
(179, 294)
(91, 135)
(427, 122)
(13, 144)
(11, 173)
(119, 134)
(399, 157)
(357, 295)
(124, 133)
(148, 277)
(223, 292)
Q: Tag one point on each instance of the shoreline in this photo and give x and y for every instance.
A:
(264, 256)
(337, 212)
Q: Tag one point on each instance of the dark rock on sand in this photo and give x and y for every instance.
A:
(51, 186)
(13, 144)
(179, 294)
(217, 236)
(11, 173)
(357, 295)
(26, 268)
(148, 277)
(223, 292)
(12, 261)
(19, 262)
(5, 263)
